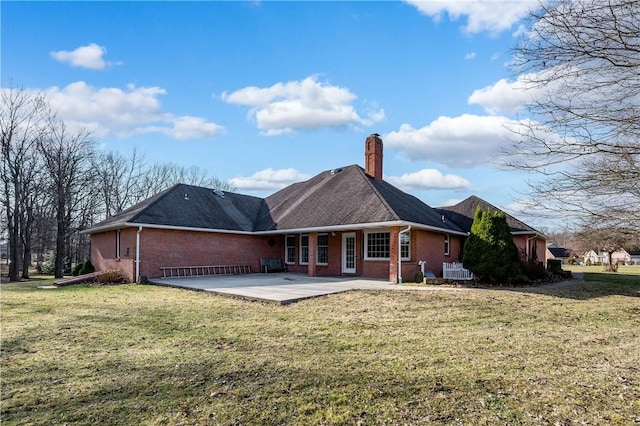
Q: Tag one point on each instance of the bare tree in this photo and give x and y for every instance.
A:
(22, 125)
(580, 62)
(66, 156)
(118, 180)
(161, 176)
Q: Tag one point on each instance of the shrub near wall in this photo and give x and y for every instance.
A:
(489, 252)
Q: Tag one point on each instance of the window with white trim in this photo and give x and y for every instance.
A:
(290, 249)
(376, 245)
(446, 244)
(304, 249)
(323, 249)
(405, 246)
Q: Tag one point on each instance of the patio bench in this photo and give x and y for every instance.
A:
(272, 265)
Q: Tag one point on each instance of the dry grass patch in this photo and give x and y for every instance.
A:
(152, 355)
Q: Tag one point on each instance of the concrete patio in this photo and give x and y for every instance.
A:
(282, 288)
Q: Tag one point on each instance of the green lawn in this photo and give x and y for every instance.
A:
(625, 273)
(134, 354)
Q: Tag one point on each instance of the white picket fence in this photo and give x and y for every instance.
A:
(456, 271)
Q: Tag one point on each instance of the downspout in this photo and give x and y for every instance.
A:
(400, 252)
(138, 254)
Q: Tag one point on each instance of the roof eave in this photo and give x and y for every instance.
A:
(536, 233)
(369, 225)
(168, 227)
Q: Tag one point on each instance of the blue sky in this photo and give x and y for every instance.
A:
(264, 94)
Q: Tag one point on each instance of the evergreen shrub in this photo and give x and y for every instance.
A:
(489, 251)
(87, 268)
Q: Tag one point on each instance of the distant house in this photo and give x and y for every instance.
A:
(344, 221)
(620, 256)
(592, 257)
(627, 257)
(558, 253)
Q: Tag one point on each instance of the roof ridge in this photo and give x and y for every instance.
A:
(369, 181)
(482, 200)
(306, 194)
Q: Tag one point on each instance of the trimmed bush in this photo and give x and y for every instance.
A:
(76, 269)
(534, 270)
(489, 251)
(87, 268)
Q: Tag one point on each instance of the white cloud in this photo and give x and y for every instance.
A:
(458, 142)
(268, 180)
(512, 96)
(89, 56)
(503, 96)
(428, 179)
(194, 128)
(493, 16)
(295, 105)
(469, 56)
(114, 111)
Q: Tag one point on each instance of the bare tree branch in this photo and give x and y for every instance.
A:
(582, 134)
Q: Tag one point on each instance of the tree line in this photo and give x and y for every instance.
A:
(57, 182)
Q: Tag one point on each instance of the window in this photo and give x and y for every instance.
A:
(323, 249)
(446, 244)
(304, 249)
(377, 245)
(405, 245)
(118, 244)
(290, 249)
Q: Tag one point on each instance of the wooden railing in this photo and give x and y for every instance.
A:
(196, 271)
(456, 271)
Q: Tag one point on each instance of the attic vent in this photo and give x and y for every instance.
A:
(442, 217)
(335, 171)
(219, 193)
(186, 196)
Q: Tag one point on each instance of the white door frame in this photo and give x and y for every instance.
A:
(348, 253)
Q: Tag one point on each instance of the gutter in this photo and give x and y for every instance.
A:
(328, 228)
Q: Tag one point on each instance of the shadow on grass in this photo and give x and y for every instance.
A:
(591, 286)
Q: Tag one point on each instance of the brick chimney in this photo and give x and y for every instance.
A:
(373, 156)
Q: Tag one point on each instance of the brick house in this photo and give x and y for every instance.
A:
(558, 253)
(345, 221)
(530, 243)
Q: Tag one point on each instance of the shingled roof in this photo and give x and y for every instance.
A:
(345, 196)
(340, 197)
(558, 252)
(192, 207)
(462, 215)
